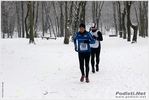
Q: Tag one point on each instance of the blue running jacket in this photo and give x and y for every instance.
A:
(79, 41)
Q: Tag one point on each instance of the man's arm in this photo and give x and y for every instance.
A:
(92, 41)
(74, 39)
(99, 38)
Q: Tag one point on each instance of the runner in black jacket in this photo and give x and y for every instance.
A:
(95, 48)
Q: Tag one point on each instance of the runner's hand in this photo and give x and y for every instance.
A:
(94, 37)
(76, 49)
(86, 41)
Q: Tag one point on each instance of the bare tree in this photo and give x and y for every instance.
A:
(49, 21)
(61, 19)
(96, 11)
(143, 17)
(146, 17)
(135, 27)
(66, 39)
(56, 20)
(93, 11)
(123, 22)
(82, 14)
(18, 18)
(43, 18)
(31, 40)
(76, 17)
(79, 15)
(22, 6)
(4, 14)
(71, 17)
(114, 16)
(36, 19)
(26, 21)
(119, 18)
(11, 26)
(50, 16)
(128, 6)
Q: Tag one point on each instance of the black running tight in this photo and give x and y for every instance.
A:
(84, 57)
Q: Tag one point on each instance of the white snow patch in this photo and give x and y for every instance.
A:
(50, 69)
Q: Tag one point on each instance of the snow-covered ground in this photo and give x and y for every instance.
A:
(50, 69)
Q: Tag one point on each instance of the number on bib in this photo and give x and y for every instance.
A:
(83, 46)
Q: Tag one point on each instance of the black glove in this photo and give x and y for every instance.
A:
(76, 49)
(86, 41)
(94, 37)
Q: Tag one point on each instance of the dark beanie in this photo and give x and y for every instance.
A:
(82, 25)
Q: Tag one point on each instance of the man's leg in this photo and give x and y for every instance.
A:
(92, 59)
(87, 58)
(81, 62)
(97, 58)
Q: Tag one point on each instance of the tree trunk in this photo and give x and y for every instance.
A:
(128, 6)
(22, 19)
(52, 26)
(114, 16)
(136, 14)
(66, 39)
(76, 18)
(36, 20)
(71, 17)
(18, 19)
(82, 15)
(98, 12)
(146, 17)
(93, 11)
(43, 27)
(120, 19)
(61, 19)
(142, 24)
(12, 25)
(26, 19)
(135, 28)
(140, 16)
(31, 23)
(123, 23)
(56, 17)
(142, 20)
(42, 18)
(4, 19)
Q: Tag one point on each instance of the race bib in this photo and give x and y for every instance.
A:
(83, 46)
(95, 45)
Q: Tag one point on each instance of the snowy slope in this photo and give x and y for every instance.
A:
(50, 69)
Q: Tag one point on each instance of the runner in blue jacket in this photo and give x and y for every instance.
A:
(82, 41)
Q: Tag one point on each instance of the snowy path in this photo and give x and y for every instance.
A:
(50, 69)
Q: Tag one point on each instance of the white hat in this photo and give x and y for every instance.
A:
(94, 25)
